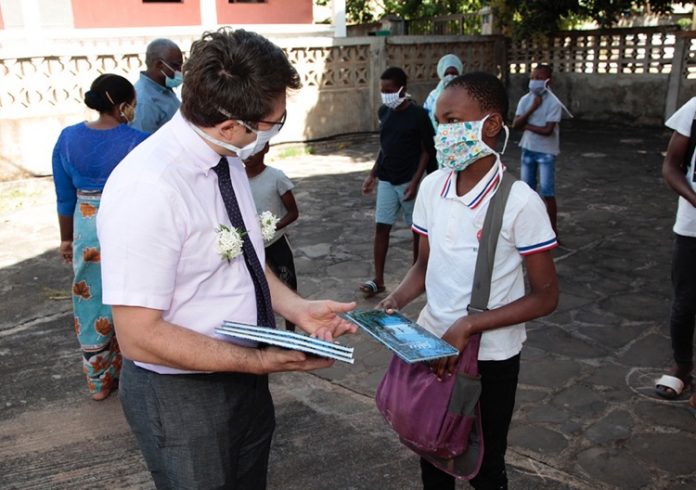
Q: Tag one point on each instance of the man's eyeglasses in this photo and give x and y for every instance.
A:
(246, 124)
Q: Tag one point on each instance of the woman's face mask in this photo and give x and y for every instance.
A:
(460, 144)
(128, 112)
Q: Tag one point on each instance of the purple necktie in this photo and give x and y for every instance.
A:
(264, 309)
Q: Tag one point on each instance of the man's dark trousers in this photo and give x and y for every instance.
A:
(200, 431)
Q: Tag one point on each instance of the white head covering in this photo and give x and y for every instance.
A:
(447, 61)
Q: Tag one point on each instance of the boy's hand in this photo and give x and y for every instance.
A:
(368, 185)
(411, 191)
(388, 304)
(457, 336)
(536, 102)
(66, 251)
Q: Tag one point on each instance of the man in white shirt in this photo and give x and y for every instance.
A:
(679, 172)
(198, 405)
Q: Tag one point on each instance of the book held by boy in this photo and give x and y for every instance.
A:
(287, 340)
(408, 340)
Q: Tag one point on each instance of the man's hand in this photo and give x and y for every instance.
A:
(66, 251)
(320, 319)
(411, 191)
(368, 185)
(275, 360)
(457, 336)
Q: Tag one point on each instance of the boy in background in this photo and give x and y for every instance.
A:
(539, 114)
(406, 147)
(272, 191)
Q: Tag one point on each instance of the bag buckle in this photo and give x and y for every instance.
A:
(473, 309)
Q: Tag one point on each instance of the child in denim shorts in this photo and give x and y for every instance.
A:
(539, 114)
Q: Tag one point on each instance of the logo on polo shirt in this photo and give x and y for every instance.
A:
(478, 234)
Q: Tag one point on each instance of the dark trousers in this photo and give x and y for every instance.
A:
(684, 301)
(200, 431)
(280, 260)
(498, 388)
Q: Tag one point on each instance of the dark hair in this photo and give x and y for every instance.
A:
(396, 75)
(485, 88)
(240, 72)
(546, 68)
(107, 91)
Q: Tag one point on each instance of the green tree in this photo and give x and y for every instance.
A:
(361, 11)
(523, 18)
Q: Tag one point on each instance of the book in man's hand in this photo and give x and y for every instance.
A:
(287, 340)
(408, 340)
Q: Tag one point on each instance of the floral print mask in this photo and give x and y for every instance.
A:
(459, 144)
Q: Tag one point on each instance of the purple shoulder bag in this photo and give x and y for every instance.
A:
(441, 420)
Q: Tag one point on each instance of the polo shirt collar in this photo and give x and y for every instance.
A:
(152, 85)
(204, 157)
(481, 192)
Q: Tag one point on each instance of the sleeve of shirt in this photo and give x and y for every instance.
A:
(283, 183)
(66, 193)
(427, 132)
(555, 112)
(420, 209)
(520, 106)
(141, 238)
(532, 229)
(682, 119)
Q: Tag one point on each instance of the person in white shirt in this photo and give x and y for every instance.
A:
(200, 406)
(679, 172)
(449, 214)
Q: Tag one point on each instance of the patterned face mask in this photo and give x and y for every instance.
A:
(460, 144)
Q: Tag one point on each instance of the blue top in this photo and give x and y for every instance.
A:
(155, 104)
(83, 158)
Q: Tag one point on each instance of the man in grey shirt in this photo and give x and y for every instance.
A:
(156, 101)
(538, 113)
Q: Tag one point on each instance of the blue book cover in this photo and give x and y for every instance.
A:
(411, 342)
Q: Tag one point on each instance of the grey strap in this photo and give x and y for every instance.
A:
(485, 258)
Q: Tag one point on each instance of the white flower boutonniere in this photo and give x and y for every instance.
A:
(268, 225)
(229, 242)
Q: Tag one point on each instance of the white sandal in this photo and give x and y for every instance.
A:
(667, 383)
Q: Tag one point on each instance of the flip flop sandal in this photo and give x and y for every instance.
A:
(669, 387)
(370, 288)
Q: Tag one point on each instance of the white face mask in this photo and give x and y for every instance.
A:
(393, 100)
(262, 137)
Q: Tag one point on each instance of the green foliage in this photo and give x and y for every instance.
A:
(524, 18)
(362, 11)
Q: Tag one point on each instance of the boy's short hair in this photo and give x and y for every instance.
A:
(546, 68)
(485, 88)
(396, 75)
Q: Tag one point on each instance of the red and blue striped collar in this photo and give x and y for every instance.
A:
(483, 189)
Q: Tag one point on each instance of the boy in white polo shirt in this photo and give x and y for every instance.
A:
(449, 214)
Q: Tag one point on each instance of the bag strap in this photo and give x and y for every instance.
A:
(690, 149)
(485, 258)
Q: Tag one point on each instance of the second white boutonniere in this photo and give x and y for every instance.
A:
(269, 222)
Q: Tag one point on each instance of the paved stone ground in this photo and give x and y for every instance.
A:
(585, 416)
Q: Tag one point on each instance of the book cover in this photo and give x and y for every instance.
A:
(408, 340)
(287, 340)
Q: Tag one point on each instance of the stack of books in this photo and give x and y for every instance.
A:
(287, 340)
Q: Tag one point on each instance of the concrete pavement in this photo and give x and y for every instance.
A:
(585, 415)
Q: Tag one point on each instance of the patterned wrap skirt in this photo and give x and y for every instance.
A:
(94, 324)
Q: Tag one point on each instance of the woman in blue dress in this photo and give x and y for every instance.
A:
(83, 158)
